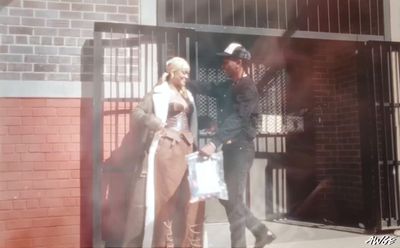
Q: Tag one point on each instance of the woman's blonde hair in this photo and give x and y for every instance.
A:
(173, 65)
(177, 64)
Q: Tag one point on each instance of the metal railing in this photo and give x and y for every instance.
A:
(358, 17)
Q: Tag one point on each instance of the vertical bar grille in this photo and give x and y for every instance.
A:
(335, 16)
(385, 75)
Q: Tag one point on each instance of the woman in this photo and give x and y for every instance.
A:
(168, 115)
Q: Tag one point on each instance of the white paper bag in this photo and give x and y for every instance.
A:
(206, 176)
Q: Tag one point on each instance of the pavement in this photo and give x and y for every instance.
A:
(304, 235)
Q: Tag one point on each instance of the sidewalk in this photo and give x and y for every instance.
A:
(297, 236)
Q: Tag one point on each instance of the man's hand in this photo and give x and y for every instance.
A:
(208, 149)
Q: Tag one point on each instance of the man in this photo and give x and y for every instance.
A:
(237, 102)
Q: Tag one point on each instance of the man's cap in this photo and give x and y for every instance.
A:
(235, 50)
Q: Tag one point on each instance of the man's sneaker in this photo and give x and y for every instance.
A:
(264, 238)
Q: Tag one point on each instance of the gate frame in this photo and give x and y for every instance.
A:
(370, 108)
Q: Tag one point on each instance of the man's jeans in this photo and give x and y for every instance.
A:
(238, 158)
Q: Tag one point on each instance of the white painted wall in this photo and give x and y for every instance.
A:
(392, 20)
(148, 12)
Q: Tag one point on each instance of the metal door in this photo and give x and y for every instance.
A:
(380, 112)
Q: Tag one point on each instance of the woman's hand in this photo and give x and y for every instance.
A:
(208, 149)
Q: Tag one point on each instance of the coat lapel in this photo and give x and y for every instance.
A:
(161, 97)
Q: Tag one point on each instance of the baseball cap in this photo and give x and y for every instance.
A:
(235, 50)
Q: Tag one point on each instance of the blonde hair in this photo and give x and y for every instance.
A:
(173, 65)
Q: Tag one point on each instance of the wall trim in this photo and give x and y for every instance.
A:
(45, 89)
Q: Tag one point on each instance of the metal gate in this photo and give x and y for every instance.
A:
(380, 110)
(128, 60)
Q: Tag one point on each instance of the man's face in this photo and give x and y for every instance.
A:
(231, 66)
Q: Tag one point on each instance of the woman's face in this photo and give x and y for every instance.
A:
(179, 78)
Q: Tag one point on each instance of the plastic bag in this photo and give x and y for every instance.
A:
(206, 177)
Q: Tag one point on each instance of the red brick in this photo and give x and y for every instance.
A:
(55, 241)
(10, 157)
(59, 174)
(45, 184)
(76, 174)
(64, 103)
(34, 121)
(44, 112)
(19, 243)
(3, 130)
(17, 112)
(46, 166)
(21, 130)
(10, 176)
(6, 205)
(7, 148)
(51, 202)
(75, 192)
(56, 221)
(75, 156)
(32, 203)
(71, 183)
(58, 138)
(19, 204)
(40, 147)
(70, 129)
(71, 202)
(3, 186)
(33, 157)
(63, 211)
(58, 121)
(57, 156)
(10, 121)
(46, 130)
(75, 121)
(34, 213)
(34, 102)
(19, 185)
(59, 147)
(9, 195)
(31, 194)
(21, 148)
(75, 138)
(57, 193)
(70, 165)
(11, 139)
(10, 215)
(17, 234)
(33, 139)
(11, 102)
(18, 224)
(33, 175)
(68, 111)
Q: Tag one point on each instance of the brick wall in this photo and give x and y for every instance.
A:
(42, 40)
(40, 172)
(45, 143)
(337, 134)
